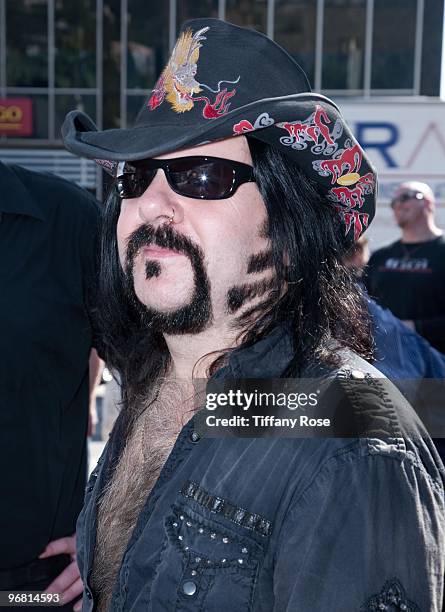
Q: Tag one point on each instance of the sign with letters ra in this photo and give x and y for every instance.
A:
(405, 140)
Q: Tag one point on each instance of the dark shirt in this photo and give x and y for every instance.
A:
(280, 524)
(409, 279)
(48, 233)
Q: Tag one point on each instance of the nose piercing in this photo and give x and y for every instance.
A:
(170, 219)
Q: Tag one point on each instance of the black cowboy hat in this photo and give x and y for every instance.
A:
(222, 81)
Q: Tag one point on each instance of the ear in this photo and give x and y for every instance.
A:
(428, 204)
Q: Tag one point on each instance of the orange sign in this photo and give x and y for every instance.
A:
(15, 117)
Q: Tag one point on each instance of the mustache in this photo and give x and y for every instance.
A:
(163, 236)
(190, 318)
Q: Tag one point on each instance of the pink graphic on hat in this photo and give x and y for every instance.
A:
(346, 161)
(354, 197)
(314, 129)
(262, 121)
(355, 219)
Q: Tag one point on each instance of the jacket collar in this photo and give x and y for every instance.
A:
(267, 358)
(15, 197)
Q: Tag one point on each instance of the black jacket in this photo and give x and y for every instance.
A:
(298, 525)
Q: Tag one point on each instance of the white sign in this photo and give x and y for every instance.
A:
(405, 140)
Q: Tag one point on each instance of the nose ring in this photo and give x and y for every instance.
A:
(170, 219)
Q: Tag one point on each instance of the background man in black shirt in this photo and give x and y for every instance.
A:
(48, 233)
(408, 276)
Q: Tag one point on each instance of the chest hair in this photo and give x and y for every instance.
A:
(146, 451)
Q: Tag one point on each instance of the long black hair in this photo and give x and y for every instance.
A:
(321, 301)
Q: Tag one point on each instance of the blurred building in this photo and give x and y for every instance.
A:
(56, 55)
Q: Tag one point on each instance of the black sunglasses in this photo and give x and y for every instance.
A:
(206, 178)
(404, 197)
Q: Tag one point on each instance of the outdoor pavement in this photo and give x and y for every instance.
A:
(95, 448)
(95, 444)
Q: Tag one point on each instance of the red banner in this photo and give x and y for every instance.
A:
(15, 117)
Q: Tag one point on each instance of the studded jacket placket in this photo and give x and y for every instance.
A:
(280, 524)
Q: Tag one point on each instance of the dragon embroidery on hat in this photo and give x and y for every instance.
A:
(243, 126)
(348, 159)
(342, 168)
(352, 188)
(314, 129)
(178, 84)
(352, 197)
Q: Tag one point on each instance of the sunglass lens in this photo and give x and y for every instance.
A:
(207, 179)
(133, 184)
(401, 199)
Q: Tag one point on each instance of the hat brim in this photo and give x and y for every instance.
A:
(81, 137)
(307, 127)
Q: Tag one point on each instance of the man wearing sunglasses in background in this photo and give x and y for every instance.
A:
(408, 276)
(237, 192)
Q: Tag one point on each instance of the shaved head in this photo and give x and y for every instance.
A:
(413, 205)
(422, 188)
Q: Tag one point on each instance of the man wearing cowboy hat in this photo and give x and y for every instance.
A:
(236, 194)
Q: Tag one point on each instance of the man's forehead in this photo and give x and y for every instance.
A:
(414, 186)
(235, 148)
